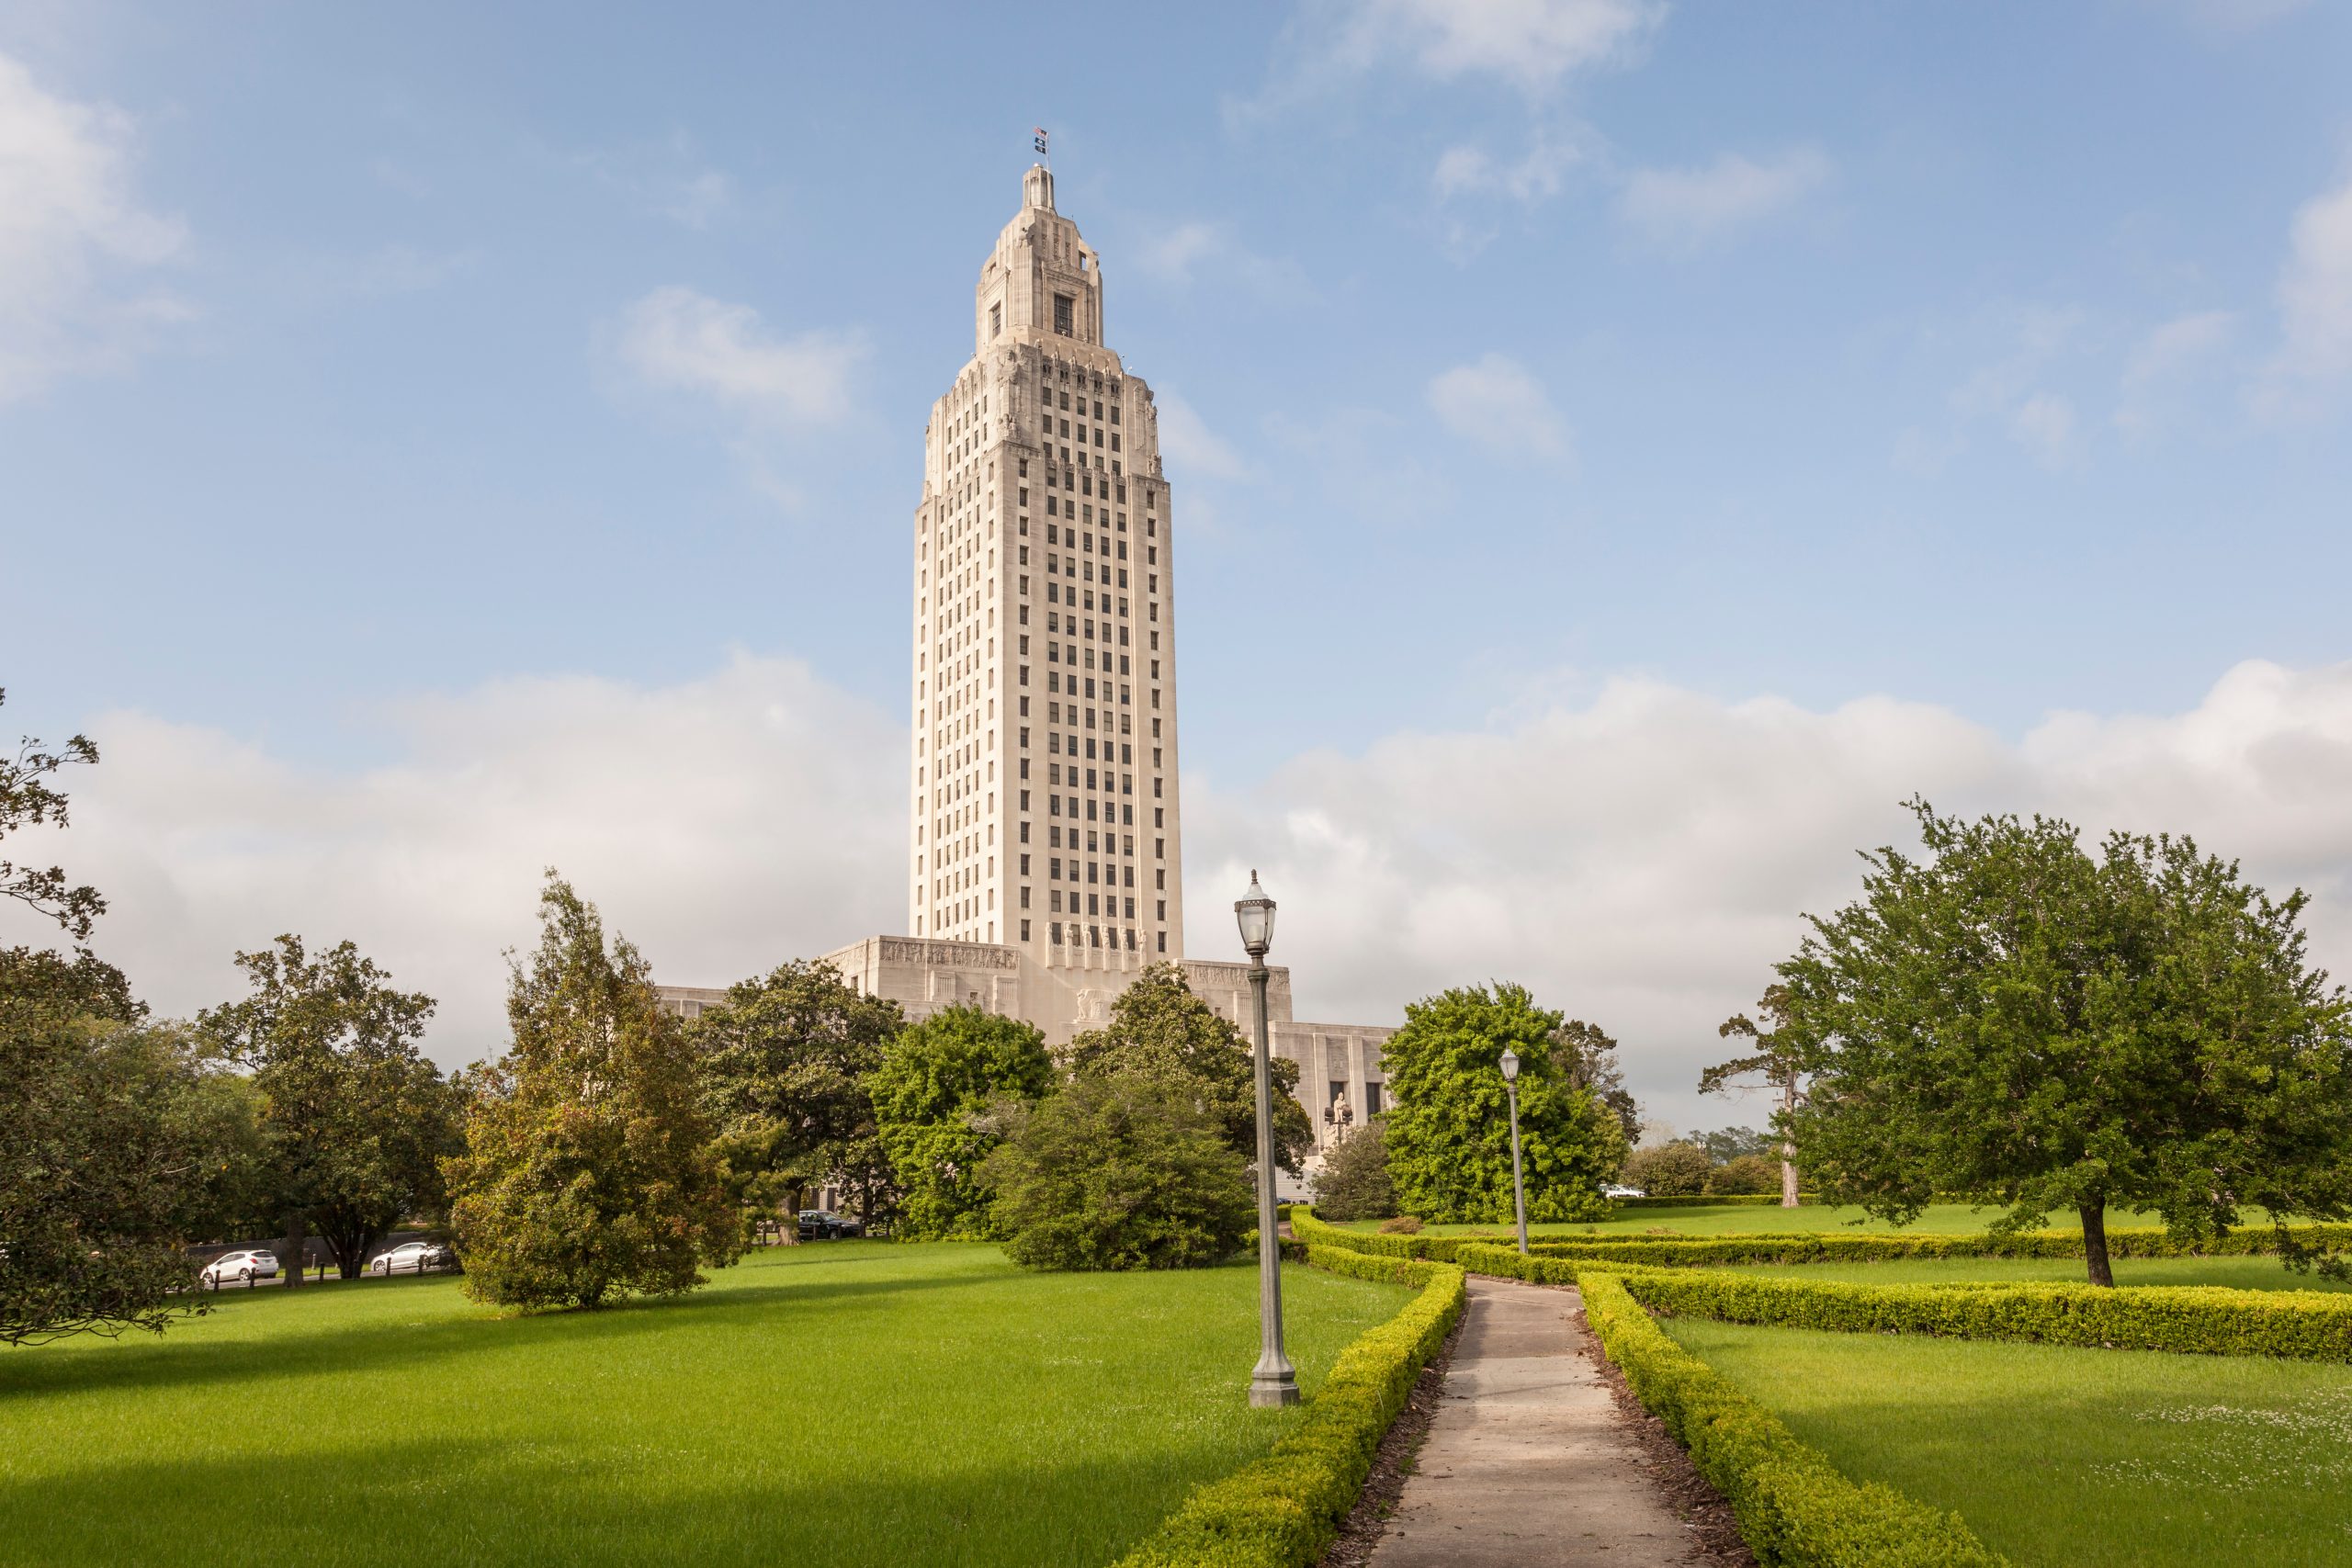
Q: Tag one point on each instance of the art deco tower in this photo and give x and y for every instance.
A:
(1045, 811)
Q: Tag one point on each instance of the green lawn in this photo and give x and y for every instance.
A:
(1752, 1219)
(842, 1405)
(2082, 1458)
(2241, 1273)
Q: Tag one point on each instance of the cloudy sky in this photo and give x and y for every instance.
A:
(1622, 450)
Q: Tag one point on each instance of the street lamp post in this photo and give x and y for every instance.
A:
(1517, 1187)
(1273, 1382)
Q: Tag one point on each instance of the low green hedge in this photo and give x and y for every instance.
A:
(1795, 1509)
(1711, 1200)
(1878, 1247)
(1283, 1510)
(2303, 1326)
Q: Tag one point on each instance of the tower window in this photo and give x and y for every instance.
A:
(996, 319)
(1063, 304)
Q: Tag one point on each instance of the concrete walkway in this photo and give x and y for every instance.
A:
(1527, 1464)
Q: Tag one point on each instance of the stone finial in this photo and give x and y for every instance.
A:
(1037, 187)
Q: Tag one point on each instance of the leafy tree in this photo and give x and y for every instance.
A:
(1353, 1183)
(29, 800)
(589, 1174)
(1120, 1171)
(939, 1099)
(1588, 1058)
(785, 1060)
(357, 1120)
(1744, 1174)
(1776, 1058)
(1160, 1030)
(1729, 1144)
(1670, 1170)
(1448, 1133)
(2020, 1021)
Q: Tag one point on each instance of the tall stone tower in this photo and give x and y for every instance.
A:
(1044, 812)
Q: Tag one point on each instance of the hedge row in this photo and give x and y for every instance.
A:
(1283, 1510)
(2303, 1326)
(1807, 1247)
(1712, 1200)
(1794, 1507)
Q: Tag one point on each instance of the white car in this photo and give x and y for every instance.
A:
(1619, 1190)
(256, 1263)
(412, 1258)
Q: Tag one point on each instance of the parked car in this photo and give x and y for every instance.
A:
(414, 1257)
(1619, 1190)
(822, 1224)
(254, 1263)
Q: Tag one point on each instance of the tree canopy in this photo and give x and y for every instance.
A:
(1449, 1133)
(1160, 1029)
(941, 1099)
(589, 1173)
(2015, 1019)
(356, 1121)
(784, 1062)
(1776, 1061)
(1353, 1183)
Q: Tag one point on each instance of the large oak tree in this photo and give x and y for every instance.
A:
(2013, 1018)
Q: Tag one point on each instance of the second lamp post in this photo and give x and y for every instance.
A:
(1517, 1188)
(1273, 1382)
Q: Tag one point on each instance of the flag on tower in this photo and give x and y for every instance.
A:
(1040, 138)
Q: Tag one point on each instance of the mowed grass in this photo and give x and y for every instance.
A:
(2238, 1273)
(2071, 1456)
(849, 1403)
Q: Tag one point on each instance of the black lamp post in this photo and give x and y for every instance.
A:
(1517, 1188)
(1273, 1382)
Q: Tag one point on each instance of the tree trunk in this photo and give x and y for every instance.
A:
(289, 1259)
(1788, 1176)
(2095, 1244)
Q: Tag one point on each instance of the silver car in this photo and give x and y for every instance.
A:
(254, 1263)
(412, 1258)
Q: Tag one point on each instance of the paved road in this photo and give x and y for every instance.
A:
(1527, 1464)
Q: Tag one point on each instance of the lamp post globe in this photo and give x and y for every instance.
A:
(1271, 1382)
(1510, 1066)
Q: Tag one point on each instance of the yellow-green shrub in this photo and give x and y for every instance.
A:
(1795, 1509)
(1283, 1510)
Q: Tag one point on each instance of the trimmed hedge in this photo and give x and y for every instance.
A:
(2303, 1326)
(1283, 1510)
(1713, 1201)
(1878, 1247)
(1795, 1509)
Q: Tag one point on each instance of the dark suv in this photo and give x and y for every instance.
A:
(820, 1225)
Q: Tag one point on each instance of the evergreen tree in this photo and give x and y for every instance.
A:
(1353, 1183)
(589, 1174)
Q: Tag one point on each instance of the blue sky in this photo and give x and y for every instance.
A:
(1984, 363)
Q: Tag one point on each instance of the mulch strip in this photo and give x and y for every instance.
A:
(1393, 1462)
(1714, 1529)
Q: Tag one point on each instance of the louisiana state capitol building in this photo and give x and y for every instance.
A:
(1045, 841)
(1044, 806)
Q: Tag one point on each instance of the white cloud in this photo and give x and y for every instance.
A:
(679, 340)
(1640, 858)
(1197, 249)
(72, 237)
(1643, 859)
(724, 824)
(1495, 403)
(2165, 358)
(1532, 42)
(1536, 177)
(667, 177)
(2045, 425)
(2315, 290)
(1685, 209)
(1190, 447)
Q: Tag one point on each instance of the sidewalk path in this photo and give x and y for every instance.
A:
(1527, 1464)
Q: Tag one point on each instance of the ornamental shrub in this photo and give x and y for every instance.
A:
(1123, 1171)
(1353, 1183)
(1402, 1224)
(1670, 1170)
(1745, 1175)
